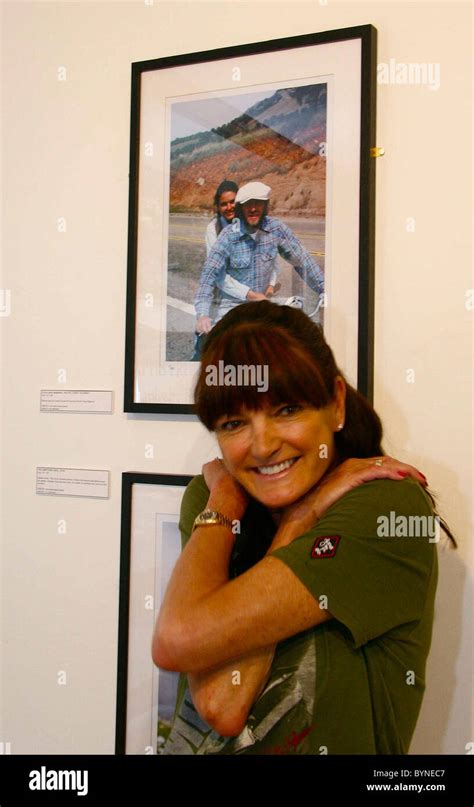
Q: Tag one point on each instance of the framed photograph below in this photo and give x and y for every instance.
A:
(150, 546)
(296, 115)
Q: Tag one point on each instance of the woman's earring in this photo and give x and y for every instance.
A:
(340, 426)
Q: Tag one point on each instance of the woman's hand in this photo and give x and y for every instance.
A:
(303, 514)
(255, 295)
(226, 495)
(352, 473)
(203, 325)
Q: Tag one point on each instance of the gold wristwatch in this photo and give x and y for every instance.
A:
(210, 517)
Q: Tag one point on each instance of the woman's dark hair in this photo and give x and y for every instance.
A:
(226, 186)
(301, 369)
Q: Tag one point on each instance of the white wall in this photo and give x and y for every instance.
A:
(65, 148)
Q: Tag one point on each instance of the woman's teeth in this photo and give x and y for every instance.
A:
(275, 469)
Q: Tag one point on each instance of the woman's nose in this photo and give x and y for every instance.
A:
(266, 441)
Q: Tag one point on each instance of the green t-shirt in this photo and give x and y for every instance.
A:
(354, 684)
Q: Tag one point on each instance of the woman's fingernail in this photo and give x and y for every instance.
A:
(402, 473)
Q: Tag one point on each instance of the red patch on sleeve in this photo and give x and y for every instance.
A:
(325, 546)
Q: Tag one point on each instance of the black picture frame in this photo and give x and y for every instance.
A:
(171, 392)
(136, 674)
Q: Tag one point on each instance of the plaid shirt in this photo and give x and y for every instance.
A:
(251, 262)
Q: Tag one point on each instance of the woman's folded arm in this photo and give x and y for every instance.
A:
(224, 695)
(207, 619)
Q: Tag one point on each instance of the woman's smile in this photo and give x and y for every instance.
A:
(280, 452)
(276, 471)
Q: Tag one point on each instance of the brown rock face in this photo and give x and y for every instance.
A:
(282, 147)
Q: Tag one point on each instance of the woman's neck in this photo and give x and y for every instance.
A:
(276, 516)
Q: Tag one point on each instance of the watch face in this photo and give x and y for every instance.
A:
(207, 516)
(211, 517)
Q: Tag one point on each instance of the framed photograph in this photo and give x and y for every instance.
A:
(296, 115)
(150, 546)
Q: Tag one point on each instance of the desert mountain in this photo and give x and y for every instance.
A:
(278, 141)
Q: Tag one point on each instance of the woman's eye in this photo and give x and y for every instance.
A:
(230, 425)
(289, 409)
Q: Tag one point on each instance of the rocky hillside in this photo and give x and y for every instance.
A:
(277, 141)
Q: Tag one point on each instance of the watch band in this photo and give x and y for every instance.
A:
(209, 517)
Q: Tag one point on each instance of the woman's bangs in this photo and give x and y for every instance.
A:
(254, 368)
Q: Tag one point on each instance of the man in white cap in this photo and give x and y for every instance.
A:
(247, 250)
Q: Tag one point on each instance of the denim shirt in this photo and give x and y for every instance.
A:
(251, 261)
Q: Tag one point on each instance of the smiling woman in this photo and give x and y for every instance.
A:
(279, 453)
(305, 631)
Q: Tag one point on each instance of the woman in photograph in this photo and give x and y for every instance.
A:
(224, 210)
(300, 611)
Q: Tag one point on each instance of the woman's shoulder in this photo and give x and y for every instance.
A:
(386, 508)
(406, 495)
(212, 225)
(196, 490)
(193, 502)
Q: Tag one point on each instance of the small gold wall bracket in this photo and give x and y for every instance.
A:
(377, 152)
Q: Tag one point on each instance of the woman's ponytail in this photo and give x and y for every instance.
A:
(361, 435)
